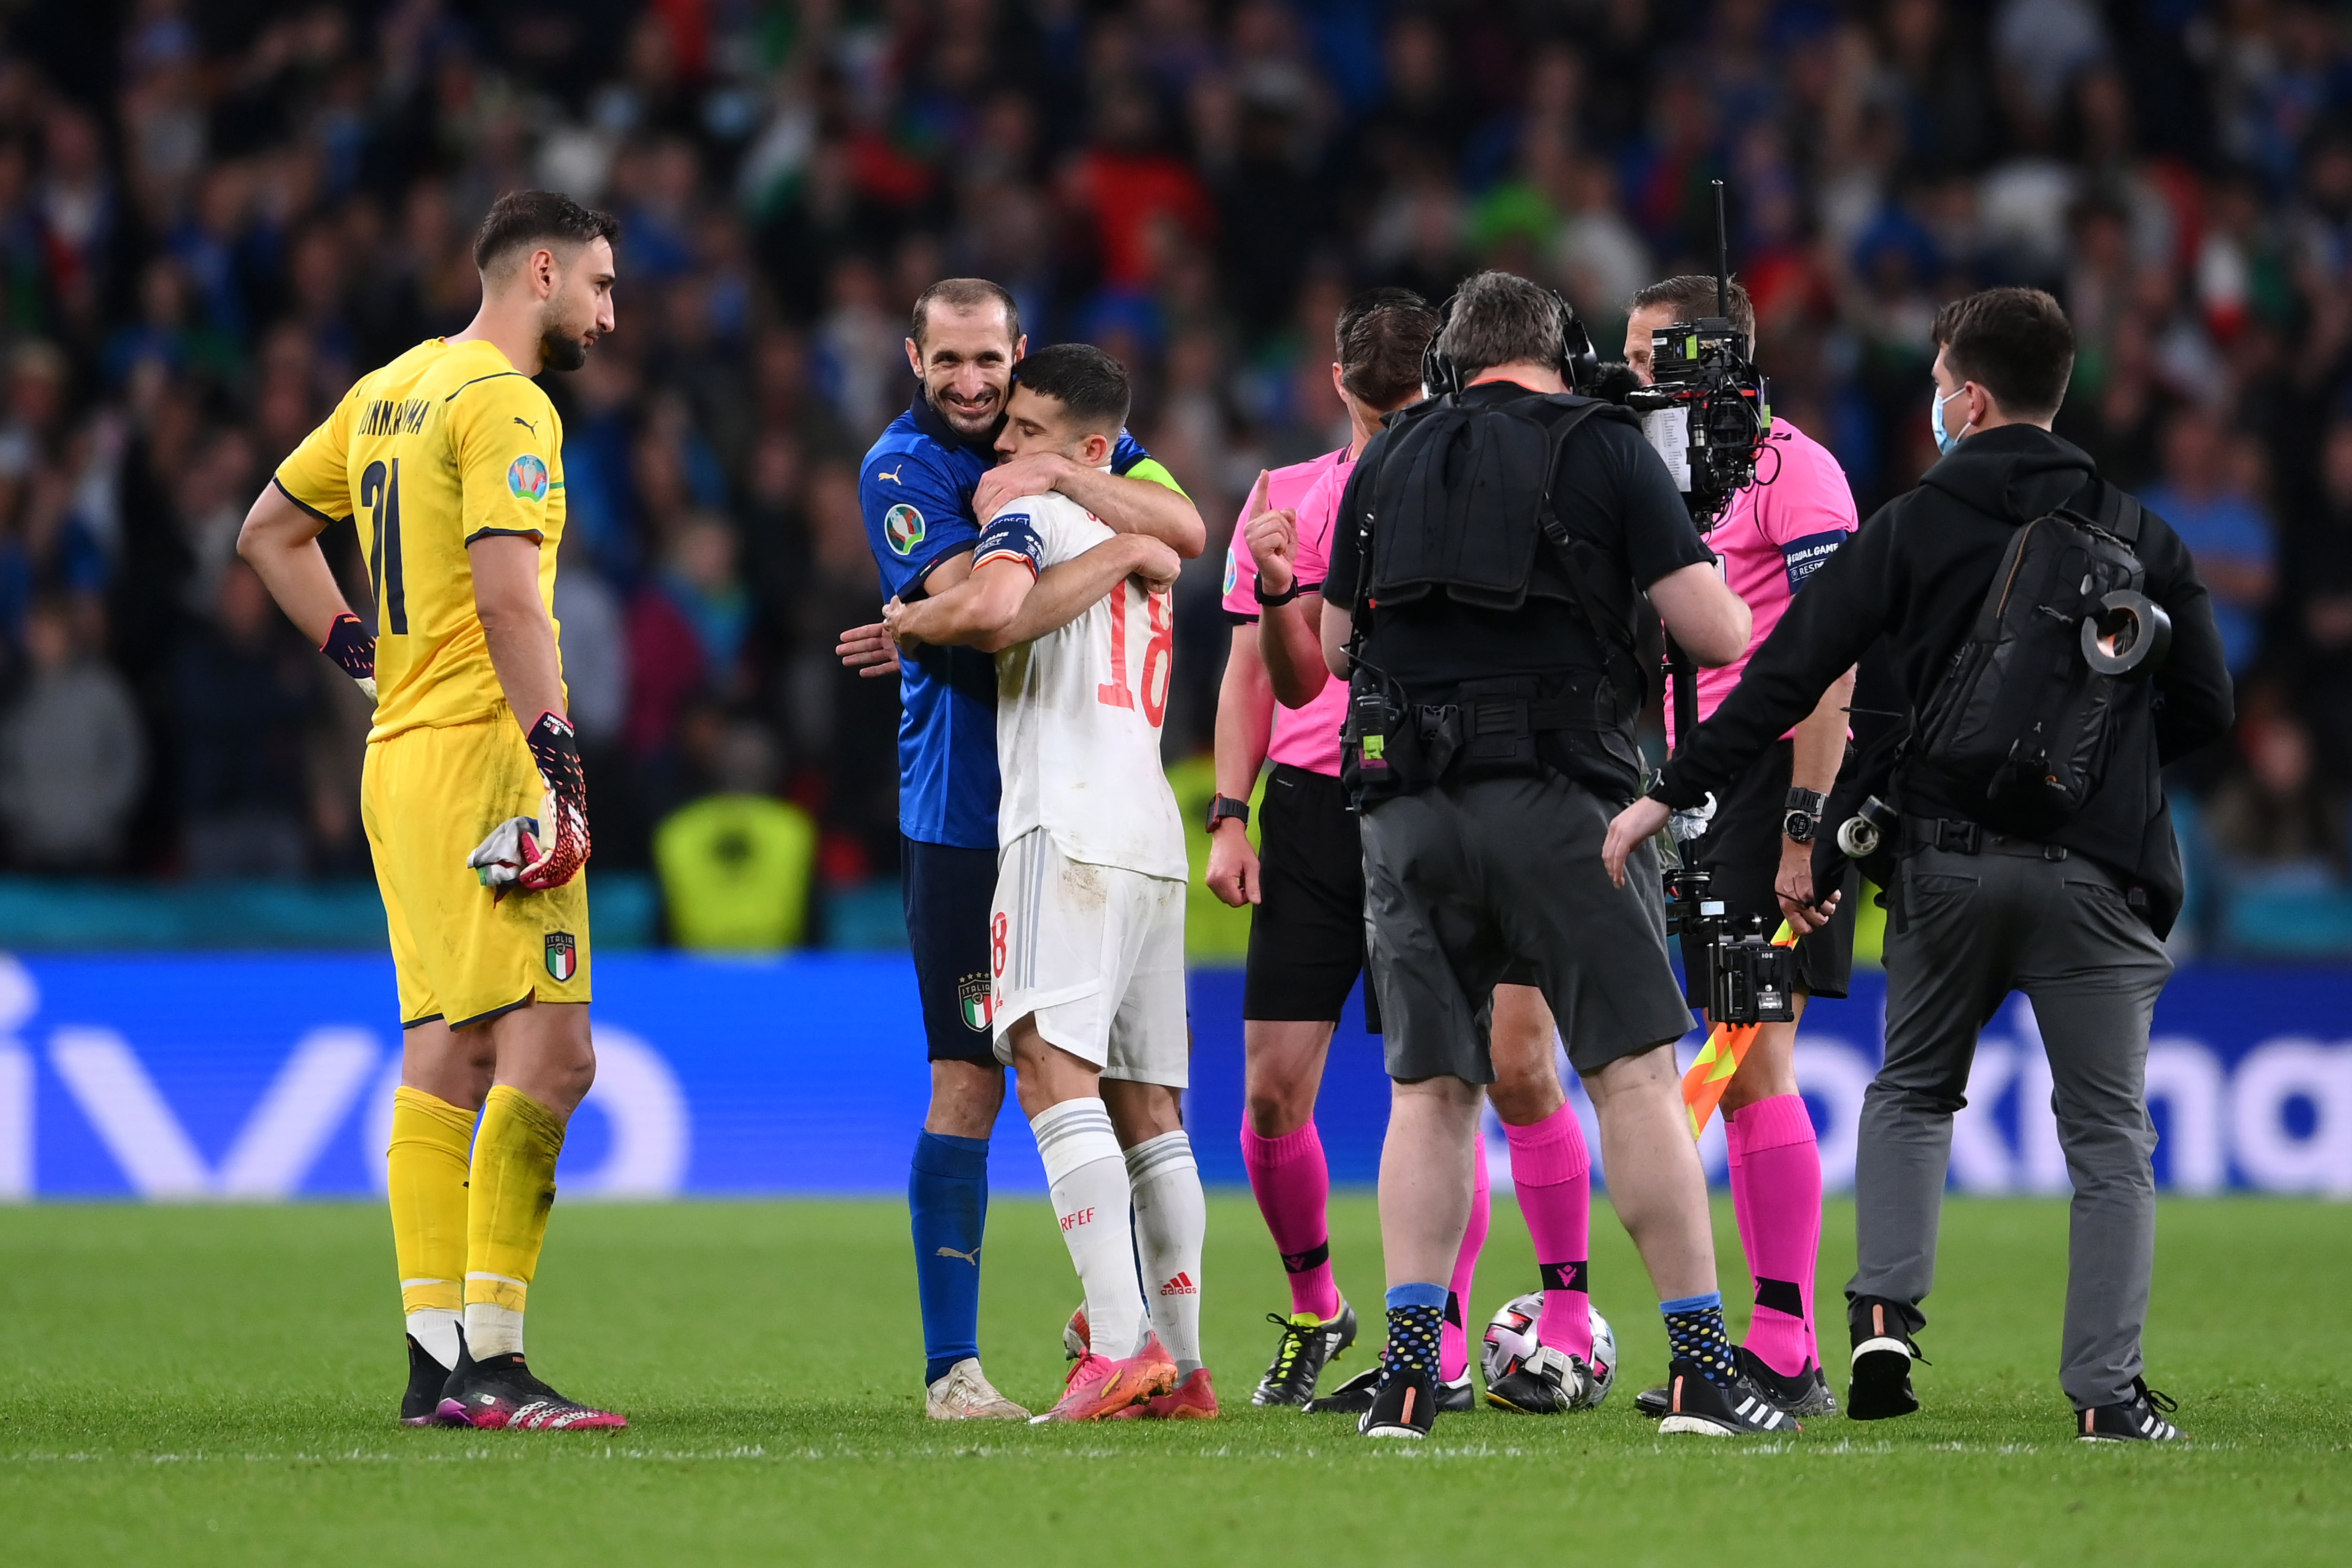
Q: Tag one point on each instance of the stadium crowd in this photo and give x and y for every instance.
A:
(211, 218)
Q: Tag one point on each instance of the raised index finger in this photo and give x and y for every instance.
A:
(1258, 492)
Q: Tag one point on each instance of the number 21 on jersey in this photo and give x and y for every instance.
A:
(1154, 668)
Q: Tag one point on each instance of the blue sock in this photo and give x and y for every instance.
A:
(947, 1194)
(1694, 1333)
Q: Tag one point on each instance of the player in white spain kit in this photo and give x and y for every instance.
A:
(1086, 934)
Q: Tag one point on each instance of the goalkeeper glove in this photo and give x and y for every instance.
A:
(548, 850)
(349, 646)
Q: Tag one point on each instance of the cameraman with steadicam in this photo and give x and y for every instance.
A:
(1485, 567)
(2056, 649)
(1770, 538)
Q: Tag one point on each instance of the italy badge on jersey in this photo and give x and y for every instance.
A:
(979, 1006)
(562, 955)
(903, 525)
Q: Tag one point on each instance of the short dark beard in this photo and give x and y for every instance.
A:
(562, 349)
(985, 438)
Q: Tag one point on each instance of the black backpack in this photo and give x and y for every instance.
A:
(2019, 729)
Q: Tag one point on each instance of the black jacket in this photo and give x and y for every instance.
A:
(1917, 573)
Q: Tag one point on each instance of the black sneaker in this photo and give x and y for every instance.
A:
(500, 1392)
(1549, 1382)
(2139, 1419)
(1308, 1343)
(1354, 1396)
(1806, 1394)
(1880, 1383)
(1699, 1408)
(426, 1376)
(1406, 1407)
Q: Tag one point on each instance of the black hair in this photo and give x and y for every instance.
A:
(1088, 383)
(2016, 343)
(521, 219)
(1380, 336)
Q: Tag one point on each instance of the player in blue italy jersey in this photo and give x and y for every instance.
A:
(926, 487)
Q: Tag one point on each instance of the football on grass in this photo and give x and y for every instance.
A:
(1511, 1338)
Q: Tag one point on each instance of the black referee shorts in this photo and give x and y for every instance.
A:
(1742, 854)
(1306, 934)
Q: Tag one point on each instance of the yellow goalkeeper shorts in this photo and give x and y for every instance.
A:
(427, 797)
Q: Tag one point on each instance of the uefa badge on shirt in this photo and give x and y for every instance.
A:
(562, 955)
(527, 477)
(903, 526)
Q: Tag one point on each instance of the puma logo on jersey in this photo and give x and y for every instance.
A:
(891, 474)
(526, 423)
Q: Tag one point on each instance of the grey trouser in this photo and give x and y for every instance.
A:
(1467, 883)
(1976, 928)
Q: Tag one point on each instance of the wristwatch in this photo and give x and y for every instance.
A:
(1298, 587)
(1222, 807)
(1804, 815)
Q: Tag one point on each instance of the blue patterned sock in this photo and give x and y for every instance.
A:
(1416, 1328)
(1695, 1334)
(947, 1194)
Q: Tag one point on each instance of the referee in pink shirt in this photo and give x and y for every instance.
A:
(1775, 534)
(1307, 932)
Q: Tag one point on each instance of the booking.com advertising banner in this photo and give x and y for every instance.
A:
(271, 1077)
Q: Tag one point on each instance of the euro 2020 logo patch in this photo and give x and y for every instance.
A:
(527, 477)
(903, 526)
(562, 955)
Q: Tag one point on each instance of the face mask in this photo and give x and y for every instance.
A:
(1945, 439)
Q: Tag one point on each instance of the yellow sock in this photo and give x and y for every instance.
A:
(506, 1216)
(426, 1171)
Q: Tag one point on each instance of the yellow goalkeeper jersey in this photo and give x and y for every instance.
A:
(443, 446)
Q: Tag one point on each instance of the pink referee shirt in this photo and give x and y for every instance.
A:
(1305, 737)
(1778, 532)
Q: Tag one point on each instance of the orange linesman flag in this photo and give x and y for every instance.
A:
(1727, 1047)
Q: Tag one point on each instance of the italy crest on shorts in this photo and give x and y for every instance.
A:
(978, 1007)
(903, 526)
(562, 955)
(527, 477)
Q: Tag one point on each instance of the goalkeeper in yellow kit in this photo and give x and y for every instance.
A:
(450, 462)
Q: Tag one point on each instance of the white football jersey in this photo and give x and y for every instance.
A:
(1078, 710)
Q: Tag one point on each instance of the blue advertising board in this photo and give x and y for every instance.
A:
(271, 1077)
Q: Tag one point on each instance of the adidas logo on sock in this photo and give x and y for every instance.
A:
(1180, 1286)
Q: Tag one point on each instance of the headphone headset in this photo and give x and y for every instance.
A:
(1579, 365)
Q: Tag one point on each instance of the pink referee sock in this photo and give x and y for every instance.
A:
(1292, 1184)
(1777, 1191)
(1550, 1170)
(1453, 1343)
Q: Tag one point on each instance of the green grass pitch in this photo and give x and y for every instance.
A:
(218, 1385)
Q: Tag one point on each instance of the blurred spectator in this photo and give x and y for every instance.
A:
(246, 691)
(213, 221)
(2201, 494)
(72, 756)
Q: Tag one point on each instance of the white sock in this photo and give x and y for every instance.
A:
(1170, 1219)
(1088, 1180)
(492, 1329)
(435, 1328)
